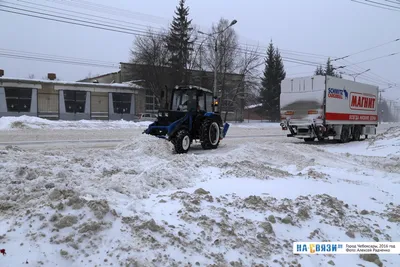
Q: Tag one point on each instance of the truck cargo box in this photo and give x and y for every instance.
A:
(332, 100)
(302, 99)
(322, 106)
(349, 102)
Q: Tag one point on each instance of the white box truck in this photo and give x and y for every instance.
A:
(325, 107)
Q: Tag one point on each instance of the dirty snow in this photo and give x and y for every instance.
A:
(28, 122)
(140, 204)
(386, 144)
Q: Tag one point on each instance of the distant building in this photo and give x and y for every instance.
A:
(62, 100)
(147, 100)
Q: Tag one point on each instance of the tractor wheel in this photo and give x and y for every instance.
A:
(182, 142)
(210, 133)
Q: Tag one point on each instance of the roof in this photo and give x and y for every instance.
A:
(99, 76)
(37, 83)
(192, 87)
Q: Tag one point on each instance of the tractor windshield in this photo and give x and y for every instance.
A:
(186, 100)
(181, 99)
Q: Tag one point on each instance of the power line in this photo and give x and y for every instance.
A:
(378, 6)
(119, 12)
(67, 18)
(382, 4)
(371, 74)
(104, 8)
(145, 34)
(394, 2)
(283, 51)
(121, 29)
(396, 40)
(51, 60)
(12, 51)
(96, 7)
(368, 60)
(81, 13)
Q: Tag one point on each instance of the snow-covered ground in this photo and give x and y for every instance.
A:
(139, 204)
(27, 122)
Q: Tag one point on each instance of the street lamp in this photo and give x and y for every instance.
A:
(357, 74)
(216, 55)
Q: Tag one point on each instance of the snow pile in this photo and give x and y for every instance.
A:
(385, 144)
(147, 145)
(141, 204)
(27, 122)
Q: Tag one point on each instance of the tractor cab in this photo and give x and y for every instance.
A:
(193, 99)
(189, 117)
(186, 99)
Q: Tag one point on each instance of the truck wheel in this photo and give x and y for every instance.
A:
(182, 142)
(357, 133)
(210, 133)
(344, 136)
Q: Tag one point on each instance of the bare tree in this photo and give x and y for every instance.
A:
(246, 89)
(149, 56)
(237, 67)
(31, 76)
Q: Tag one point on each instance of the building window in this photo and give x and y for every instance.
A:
(151, 104)
(18, 99)
(74, 101)
(122, 103)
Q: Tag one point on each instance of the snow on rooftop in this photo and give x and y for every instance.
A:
(253, 106)
(57, 82)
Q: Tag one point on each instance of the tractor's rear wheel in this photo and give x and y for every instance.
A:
(182, 142)
(210, 133)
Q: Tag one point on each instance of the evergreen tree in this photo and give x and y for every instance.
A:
(273, 74)
(319, 71)
(179, 43)
(329, 70)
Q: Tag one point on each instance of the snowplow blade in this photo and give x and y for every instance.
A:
(225, 130)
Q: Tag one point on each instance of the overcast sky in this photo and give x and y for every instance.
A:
(324, 27)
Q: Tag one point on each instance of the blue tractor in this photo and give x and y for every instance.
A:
(190, 117)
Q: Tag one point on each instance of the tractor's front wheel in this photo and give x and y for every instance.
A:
(182, 142)
(210, 133)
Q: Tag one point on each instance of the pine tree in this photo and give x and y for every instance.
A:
(329, 70)
(280, 75)
(273, 74)
(179, 43)
(319, 71)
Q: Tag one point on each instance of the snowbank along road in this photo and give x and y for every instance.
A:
(139, 204)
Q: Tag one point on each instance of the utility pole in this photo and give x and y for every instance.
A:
(215, 94)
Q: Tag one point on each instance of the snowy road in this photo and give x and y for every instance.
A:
(138, 204)
(109, 138)
(107, 143)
